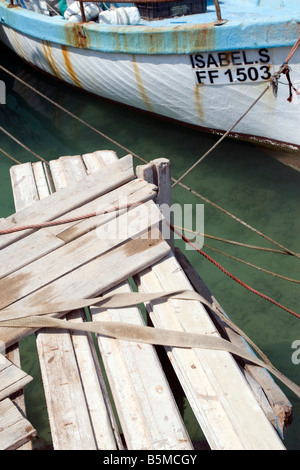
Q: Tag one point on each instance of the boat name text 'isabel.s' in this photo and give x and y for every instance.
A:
(218, 68)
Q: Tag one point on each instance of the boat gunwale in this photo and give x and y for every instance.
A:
(148, 39)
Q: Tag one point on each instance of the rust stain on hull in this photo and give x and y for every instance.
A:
(49, 57)
(198, 103)
(76, 35)
(140, 84)
(194, 38)
(69, 66)
(17, 43)
(205, 37)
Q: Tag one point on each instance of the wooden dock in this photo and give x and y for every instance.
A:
(237, 405)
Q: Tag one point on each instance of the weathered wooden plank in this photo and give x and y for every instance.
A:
(99, 160)
(104, 426)
(48, 239)
(66, 170)
(82, 391)
(25, 194)
(269, 395)
(68, 199)
(80, 251)
(42, 185)
(93, 278)
(133, 193)
(14, 429)
(13, 355)
(57, 172)
(12, 379)
(145, 404)
(68, 416)
(158, 172)
(220, 397)
(93, 387)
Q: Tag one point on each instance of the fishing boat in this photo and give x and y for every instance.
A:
(202, 63)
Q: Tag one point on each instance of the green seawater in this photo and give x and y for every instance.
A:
(237, 176)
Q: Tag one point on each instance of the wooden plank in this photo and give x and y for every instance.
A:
(269, 395)
(69, 419)
(146, 407)
(73, 385)
(101, 415)
(48, 239)
(158, 172)
(92, 278)
(12, 379)
(77, 412)
(145, 404)
(32, 248)
(220, 397)
(15, 430)
(42, 185)
(66, 170)
(82, 250)
(68, 199)
(99, 160)
(103, 423)
(27, 195)
(13, 355)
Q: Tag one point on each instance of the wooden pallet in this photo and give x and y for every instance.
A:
(79, 407)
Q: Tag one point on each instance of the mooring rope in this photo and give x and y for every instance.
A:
(180, 183)
(232, 242)
(244, 245)
(52, 223)
(221, 139)
(9, 156)
(229, 274)
(65, 110)
(273, 83)
(292, 51)
(242, 222)
(126, 206)
(22, 145)
(280, 276)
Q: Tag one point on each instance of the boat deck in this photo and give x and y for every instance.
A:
(252, 11)
(133, 407)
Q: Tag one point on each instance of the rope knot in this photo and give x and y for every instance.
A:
(284, 69)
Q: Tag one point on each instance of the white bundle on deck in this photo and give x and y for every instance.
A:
(122, 15)
(73, 13)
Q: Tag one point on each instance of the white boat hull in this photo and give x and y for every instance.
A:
(166, 85)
